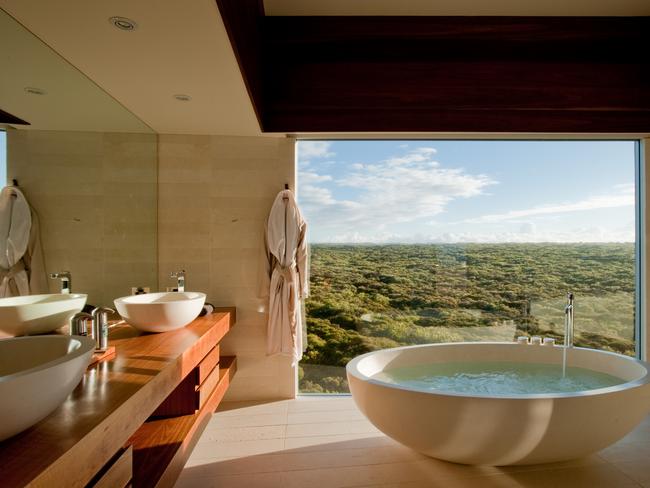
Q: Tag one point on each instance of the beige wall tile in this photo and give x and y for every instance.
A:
(96, 198)
(253, 388)
(214, 195)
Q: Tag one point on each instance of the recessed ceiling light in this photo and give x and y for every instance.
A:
(183, 98)
(34, 91)
(123, 23)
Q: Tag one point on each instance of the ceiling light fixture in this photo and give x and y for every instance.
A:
(183, 98)
(123, 23)
(34, 91)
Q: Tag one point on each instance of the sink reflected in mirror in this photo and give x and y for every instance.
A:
(86, 165)
(38, 314)
(160, 312)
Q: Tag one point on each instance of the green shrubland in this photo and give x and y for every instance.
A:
(367, 297)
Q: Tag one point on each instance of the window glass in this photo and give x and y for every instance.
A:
(434, 241)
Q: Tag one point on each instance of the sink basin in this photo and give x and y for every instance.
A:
(38, 314)
(36, 376)
(160, 312)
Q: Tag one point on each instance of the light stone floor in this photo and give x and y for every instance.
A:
(314, 442)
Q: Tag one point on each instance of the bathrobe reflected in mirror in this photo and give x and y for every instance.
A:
(284, 277)
(22, 269)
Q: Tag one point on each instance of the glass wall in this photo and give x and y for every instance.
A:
(436, 241)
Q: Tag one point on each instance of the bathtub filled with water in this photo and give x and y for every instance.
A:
(501, 403)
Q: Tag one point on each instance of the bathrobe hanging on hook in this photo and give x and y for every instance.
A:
(22, 270)
(285, 276)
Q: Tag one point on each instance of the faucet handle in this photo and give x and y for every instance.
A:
(61, 275)
(66, 280)
(180, 276)
(101, 311)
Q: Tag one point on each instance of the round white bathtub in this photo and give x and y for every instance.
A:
(501, 430)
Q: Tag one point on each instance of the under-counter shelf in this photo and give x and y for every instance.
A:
(162, 445)
(112, 402)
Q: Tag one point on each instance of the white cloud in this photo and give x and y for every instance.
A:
(528, 228)
(402, 199)
(418, 155)
(319, 198)
(314, 149)
(311, 177)
(622, 198)
(399, 189)
(593, 234)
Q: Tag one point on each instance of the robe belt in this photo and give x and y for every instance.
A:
(286, 272)
(13, 271)
(7, 277)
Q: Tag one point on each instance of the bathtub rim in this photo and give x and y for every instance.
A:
(352, 369)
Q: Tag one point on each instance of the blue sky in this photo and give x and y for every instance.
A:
(467, 191)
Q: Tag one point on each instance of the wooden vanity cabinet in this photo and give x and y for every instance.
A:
(134, 419)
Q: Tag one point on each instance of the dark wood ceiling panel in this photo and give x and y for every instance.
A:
(474, 74)
(243, 21)
(457, 85)
(491, 121)
(578, 38)
(7, 118)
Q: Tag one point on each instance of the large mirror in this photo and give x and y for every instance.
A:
(86, 165)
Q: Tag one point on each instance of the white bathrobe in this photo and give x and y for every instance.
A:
(285, 276)
(22, 269)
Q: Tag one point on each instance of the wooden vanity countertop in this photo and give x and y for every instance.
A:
(112, 401)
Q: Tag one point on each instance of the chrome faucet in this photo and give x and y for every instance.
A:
(568, 321)
(180, 276)
(66, 280)
(100, 327)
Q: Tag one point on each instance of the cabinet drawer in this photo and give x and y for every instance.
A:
(207, 365)
(204, 391)
(117, 473)
(186, 398)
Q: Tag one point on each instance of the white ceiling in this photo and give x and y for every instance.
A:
(458, 7)
(179, 47)
(71, 102)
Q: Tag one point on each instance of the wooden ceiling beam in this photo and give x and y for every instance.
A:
(473, 74)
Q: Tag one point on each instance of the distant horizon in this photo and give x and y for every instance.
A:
(481, 191)
(378, 244)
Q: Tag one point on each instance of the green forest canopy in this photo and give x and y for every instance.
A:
(369, 297)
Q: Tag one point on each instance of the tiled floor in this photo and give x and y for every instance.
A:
(326, 442)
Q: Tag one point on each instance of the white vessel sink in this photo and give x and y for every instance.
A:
(36, 376)
(160, 312)
(38, 314)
